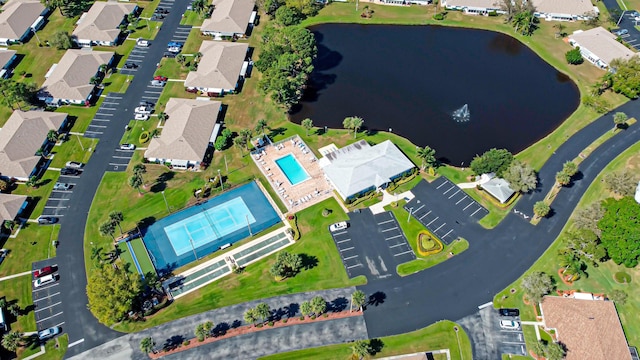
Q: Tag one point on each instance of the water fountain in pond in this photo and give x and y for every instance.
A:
(462, 114)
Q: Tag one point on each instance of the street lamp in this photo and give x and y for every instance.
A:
(455, 328)
(220, 177)
(165, 202)
(410, 211)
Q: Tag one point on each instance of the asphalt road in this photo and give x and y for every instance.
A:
(85, 332)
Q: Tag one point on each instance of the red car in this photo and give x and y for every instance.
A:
(47, 270)
(160, 78)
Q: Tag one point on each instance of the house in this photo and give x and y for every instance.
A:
(222, 66)
(11, 206)
(599, 46)
(20, 18)
(473, 7)
(7, 59)
(22, 138)
(229, 18)
(358, 168)
(498, 188)
(187, 135)
(589, 328)
(565, 10)
(101, 24)
(69, 81)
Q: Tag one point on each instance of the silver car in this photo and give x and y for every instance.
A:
(157, 83)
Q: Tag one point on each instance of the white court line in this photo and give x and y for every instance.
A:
(50, 317)
(405, 252)
(46, 297)
(390, 229)
(350, 257)
(445, 235)
(420, 218)
(476, 211)
(393, 237)
(76, 343)
(441, 185)
(459, 201)
(340, 242)
(440, 227)
(384, 222)
(391, 247)
(465, 208)
(437, 217)
(454, 194)
(50, 306)
(451, 188)
(347, 249)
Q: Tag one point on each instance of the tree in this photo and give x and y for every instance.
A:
(270, 6)
(555, 351)
(307, 124)
(347, 123)
(199, 6)
(305, 308)
(32, 182)
(147, 345)
(4, 185)
(111, 292)
(525, 22)
(521, 177)
(306, 7)
(619, 230)
(539, 348)
(536, 285)
(622, 182)
(8, 225)
(12, 340)
(493, 161)
(360, 348)
(572, 264)
(588, 217)
(358, 299)
(597, 103)
(250, 316)
(626, 79)
(319, 305)
(286, 16)
(52, 136)
(16, 92)
(246, 135)
(61, 40)
(261, 125)
(585, 244)
(263, 312)
(570, 168)
(562, 178)
(116, 218)
(560, 33)
(107, 228)
(200, 332)
(618, 296)
(541, 209)
(135, 181)
(14, 309)
(139, 169)
(162, 116)
(574, 57)
(428, 157)
(240, 142)
(181, 59)
(197, 56)
(356, 124)
(208, 327)
(286, 265)
(619, 120)
(94, 80)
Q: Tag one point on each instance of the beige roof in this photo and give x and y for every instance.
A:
(488, 4)
(20, 138)
(17, 16)
(229, 16)
(102, 20)
(5, 56)
(187, 131)
(602, 43)
(219, 66)
(571, 7)
(70, 79)
(590, 329)
(10, 205)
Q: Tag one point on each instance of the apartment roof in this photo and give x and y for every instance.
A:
(5, 56)
(20, 138)
(572, 7)
(359, 166)
(602, 43)
(498, 188)
(484, 4)
(590, 329)
(17, 16)
(10, 205)
(229, 16)
(219, 66)
(71, 76)
(187, 132)
(101, 22)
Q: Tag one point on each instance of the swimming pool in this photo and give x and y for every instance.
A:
(292, 169)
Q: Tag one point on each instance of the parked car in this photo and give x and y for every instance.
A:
(620, 32)
(634, 13)
(47, 220)
(141, 117)
(157, 16)
(169, 54)
(510, 324)
(338, 226)
(74, 165)
(161, 78)
(191, 90)
(3, 254)
(157, 83)
(61, 186)
(47, 270)
(175, 43)
(509, 312)
(45, 280)
(127, 147)
(174, 49)
(130, 65)
(69, 171)
(48, 333)
(161, 11)
(142, 110)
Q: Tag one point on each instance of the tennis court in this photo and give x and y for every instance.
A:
(202, 229)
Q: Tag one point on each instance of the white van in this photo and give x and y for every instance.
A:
(45, 280)
(338, 226)
(143, 42)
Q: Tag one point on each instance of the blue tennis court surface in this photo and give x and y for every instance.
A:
(179, 238)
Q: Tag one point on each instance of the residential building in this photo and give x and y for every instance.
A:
(220, 69)
(11, 206)
(229, 18)
(19, 19)
(599, 46)
(358, 168)
(588, 327)
(188, 134)
(23, 140)
(69, 81)
(565, 10)
(474, 7)
(7, 59)
(498, 188)
(101, 24)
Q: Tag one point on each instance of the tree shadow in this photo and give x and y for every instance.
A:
(273, 132)
(144, 223)
(220, 329)
(161, 181)
(375, 346)
(173, 342)
(339, 304)
(292, 309)
(377, 298)
(279, 313)
(308, 261)
(236, 324)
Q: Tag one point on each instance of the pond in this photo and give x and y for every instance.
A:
(460, 91)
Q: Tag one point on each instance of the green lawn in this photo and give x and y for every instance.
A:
(76, 148)
(125, 256)
(19, 289)
(256, 282)
(173, 70)
(143, 256)
(39, 194)
(136, 127)
(422, 263)
(600, 279)
(81, 115)
(191, 18)
(33, 243)
(195, 39)
(172, 89)
(435, 337)
(116, 83)
(146, 29)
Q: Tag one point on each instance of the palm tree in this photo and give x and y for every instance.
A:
(356, 123)
(163, 116)
(139, 169)
(306, 308)
(619, 119)
(197, 56)
(9, 225)
(571, 263)
(147, 345)
(358, 299)
(570, 168)
(12, 340)
(541, 209)
(563, 178)
(307, 124)
(263, 311)
(107, 228)
(560, 28)
(250, 316)
(199, 6)
(94, 80)
(347, 123)
(14, 309)
(427, 155)
(181, 59)
(319, 305)
(52, 136)
(262, 123)
(135, 181)
(360, 349)
(208, 327)
(246, 135)
(116, 218)
(32, 182)
(240, 142)
(200, 332)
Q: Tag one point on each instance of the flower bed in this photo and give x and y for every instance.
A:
(428, 244)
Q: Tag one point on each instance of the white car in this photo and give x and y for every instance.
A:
(510, 324)
(74, 165)
(127, 147)
(338, 226)
(143, 42)
(49, 333)
(45, 280)
(142, 110)
(141, 117)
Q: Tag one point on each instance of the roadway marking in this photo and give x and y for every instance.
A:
(402, 253)
(50, 317)
(485, 305)
(418, 209)
(441, 185)
(440, 227)
(122, 157)
(75, 343)
(454, 194)
(352, 266)
(340, 242)
(384, 222)
(350, 257)
(393, 237)
(346, 249)
(445, 235)
(437, 217)
(424, 215)
(390, 229)
(451, 188)
(98, 126)
(476, 211)
(50, 306)
(459, 201)
(46, 297)
(465, 208)
(103, 114)
(391, 247)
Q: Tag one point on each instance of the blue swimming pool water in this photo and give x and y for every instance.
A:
(197, 231)
(292, 169)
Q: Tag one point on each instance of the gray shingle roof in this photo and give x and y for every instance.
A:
(10, 206)
(102, 20)
(498, 188)
(5, 56)
(219, 66)
(229, 16)
(602, 43)
(17, 16)
(572, 7)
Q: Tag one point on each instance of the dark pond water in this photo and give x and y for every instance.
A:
(412, 79)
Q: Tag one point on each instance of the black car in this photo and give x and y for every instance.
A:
(69, 171)
(161, 11)
(47, 220)
(130, 65)
(509, 312)
(169, 54)
(157, 17)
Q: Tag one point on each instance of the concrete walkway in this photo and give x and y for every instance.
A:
(388, 199)
(470, 185)
(15, 275)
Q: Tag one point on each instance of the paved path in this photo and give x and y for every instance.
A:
(388, 199)
(15, 275)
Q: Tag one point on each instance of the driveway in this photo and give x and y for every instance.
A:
(47, 300)
(58, 201)
(488, 339)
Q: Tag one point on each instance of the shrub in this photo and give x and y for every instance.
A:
(200, 338)
(313, 317)
(622, 277)
(284, 321)
(144, 137)
(574, 57)
(186, 343)
(438, 16)
(326, 212)
(302, 318)
(270, 323)
(259, 325)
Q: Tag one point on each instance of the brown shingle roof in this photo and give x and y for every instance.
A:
(572, 7)
(102, 20)
(590, 329)
(20, 138)
(17, 16)
(219, 66)
(10, 205)
(70, 79)
(187, 131)
(5, 56)
(229, 16)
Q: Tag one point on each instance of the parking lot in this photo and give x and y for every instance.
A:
(372, 245)
(57, 203)
(488, 339)
(136, 57)
(628, 22)
(181, 34)
(442, 207)
(104, 116)
(47, 300)
(120, 160)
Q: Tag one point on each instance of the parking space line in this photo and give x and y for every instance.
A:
(102, 114)
(55, 207)
(102, 120)
(107, 108)
(440, 227)
(454, 194)
(451, 188)
(447, 234)
(390, 229)
(46, 297)
(393, 237)
(340, 242)
(418, 209)
(437, 217)
(424, 215)
(513, 342)
(339, 233)
(384, 222)
(98, 126)
(122, 157)
(347, 249)
(465, 208)
(50, 306)
(441, 185)
(393, 246)
(50, 317)
(402, 253)
(459, 201)
(350, 257)
(352, 266)
(476, 211)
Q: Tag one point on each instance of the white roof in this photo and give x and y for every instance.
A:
(482, 4)
(570, 7)
(359, 166)
(498, 188)
(229, 16)
(602, 44)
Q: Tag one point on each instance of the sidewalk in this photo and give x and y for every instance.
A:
(15, 275)
(470, 185)
(388, 199)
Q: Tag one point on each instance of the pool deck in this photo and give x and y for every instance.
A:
(304, 194)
